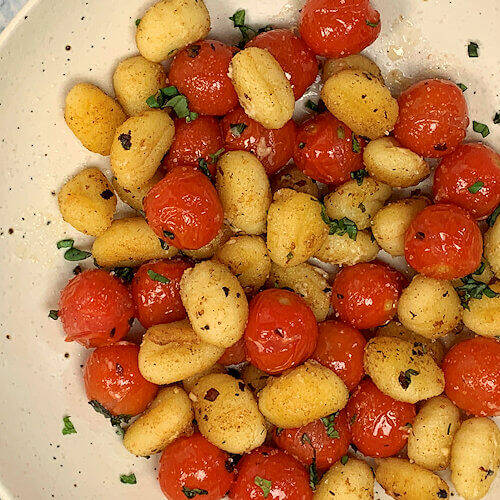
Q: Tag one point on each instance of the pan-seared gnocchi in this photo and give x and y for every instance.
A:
(189, 382)
(492, 247)
(134, 197)
(208, 251)
(292, 178)
(255, 379)
(483, 315)
(354, 61)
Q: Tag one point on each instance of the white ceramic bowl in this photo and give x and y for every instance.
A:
(53, 44)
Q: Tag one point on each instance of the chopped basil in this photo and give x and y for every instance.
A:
(493, 217)
(191, 493)
(203, 165)
(405, 378)
(247, 33)
(329, 423)
(496, 118)
(214, 158)
(115, 420)
(462, 87)
(279, 430)
(238, 18)
(353, 418)
(74, 254)
(237, 129)
(313, 473)
(480, 128)
(65, 244)
(312, 106)
(169, 97)
(372, 25)
(340, 132)
(355, 143)
(473, 289)
(480, 269)
(126, 140)
(137, 22)
(472, 49)
(341, 226)
(68, 428)
(264, 484)
(305, 439)
(359, 175)
(169, 235)
(128, 479)
(475, 187)
(289, 256)
(54, 314)
(344, 459)
(302, 145)
(163, 244)
(158, 277)
(124, 273)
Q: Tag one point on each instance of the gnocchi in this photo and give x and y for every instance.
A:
(209, 250)
(357, 62)
(292, 178)
(483, 315)
(134, 197)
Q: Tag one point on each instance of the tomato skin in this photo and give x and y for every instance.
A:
(288, 478)
(194, 140)
(194, 463)
(443, 242)
(365, 295)
(200, 73)
(460, 170)
(281, 331)
(341, 348)
(433, 118)
(295, 58)
(112, 377)
(328, 450)
(186, 204)
(324, 156)
(157, 302)
(336, 28)
(472, 376)
(233, 355)
(96, 309)
(377, 421)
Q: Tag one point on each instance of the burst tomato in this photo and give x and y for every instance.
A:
(233, 355)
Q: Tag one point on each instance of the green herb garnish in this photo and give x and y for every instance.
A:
(493, 217)
(115, 420)
(496, 118)
(247, 32)
(214, 158)
(312, 106)
(472, 49)
(203, 165)
(302, 145)
(462, 87)
(169, 234)
(54, 314)
(359, 175)
(475, 187)
(170, 97)
(329, 423)
(474, 289)
(237, 129)
(191, 493)
(340, 227)
(74, 254)
(372, 25)
(305, 439)
(355, 144)
(264, 484)
(158, 277)
(344, 459)
(128, 479)
(313, 473)
(340, 132)
(65, 244)
(405, 378)
(137, 22)
(68, 428)
(480, 128)
(124, 273)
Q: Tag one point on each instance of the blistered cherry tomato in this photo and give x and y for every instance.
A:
(469, 178)
(324, 149)
(270, 473)
(112, 377)
(234, 354)
(96, 309)
(272, 147)
(295, 58)
(183, 209)
(341, 348)
(337, 28)
(194, 140)
(156, 291)
(472, 376)
(366, 295)
(326, 439)
(379, 424)
(200, 72)
(192, 466)
(281, 331)
(443, 242)
(433, 118)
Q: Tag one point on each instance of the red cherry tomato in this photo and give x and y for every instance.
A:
(183, 209)
(366, 295)
(96, 309)
(193, 463)
(233, 355)
(194, 140)
(295, 58)
(112, 377)
(272, 474)
(326, 439)
(472, 376)
(200, 73)
(281, 331)
(469, 178)
(341, 348)
(324, 150)
(443, 242)
(338, 28)
(159, 302)
(272, 147)
(379, 424)
(433, 118)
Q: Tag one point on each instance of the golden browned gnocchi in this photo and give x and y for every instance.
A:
(170, 25)
(475, 457)
(244, 191)
(292, 178)
(208, 251)
(227, 413)
(361, 101)
(169, 416)
(93, 117)
(295, 228)
(429, 307)
(215, 303)
(492, 247)
(387, 161)
(173, 352)
(263, 89)
(134, 197)
(483, 315)
(189, 382)
(87, 202)
(301, 395)
(139, 145)
(254, 378)
(354, 61)
(129, 242)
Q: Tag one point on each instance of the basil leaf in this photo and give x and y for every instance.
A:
(405, 378)
(312, 106)
(341, 226)
(158, 277)
(65, 243)
(344, 459)
(128, 479)
(124, 273)
(372, 25)
(313, 474)
(74, 254)
(172, 98)
(238, 18)
(237, 129)
(480, 128)
(54, 314)
(493, 217)
(214, 158)
(264, 484)
(472, 49)
(329, 423)
(496, 118)
(359, 175)
(115, 420)
(204, 168)
(462, 87)
(477, 186)
(68, 428)
(355, 144)
(137, 22)
(191, 493)
(340, 132)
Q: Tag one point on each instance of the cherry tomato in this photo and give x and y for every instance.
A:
(472, 376)
(443, 242)
(433, 118)
(338, 28)
(366, 295)
(341, 348)
(379, 424)
(281, 331)
(192, 466)
(324, 150)
(233, 355)
(469, 178)
(158, 302)
(112, 377)
(295, 58)
(183, 209)
(326, 439)
(200, 73)
(272, 474)
(194, 140)
(96, 309)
